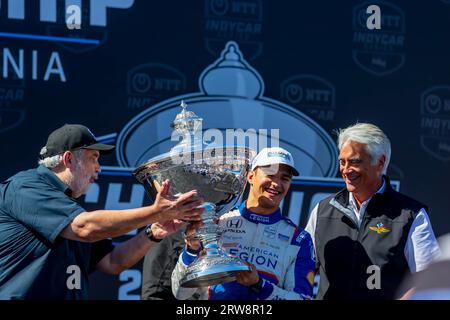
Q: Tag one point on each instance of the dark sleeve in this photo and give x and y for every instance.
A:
(99, 250)
(45, 211)
(157, 269)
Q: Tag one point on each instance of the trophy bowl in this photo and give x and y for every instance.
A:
(219, 174)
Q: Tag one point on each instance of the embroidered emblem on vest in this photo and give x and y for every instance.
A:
(379, 228)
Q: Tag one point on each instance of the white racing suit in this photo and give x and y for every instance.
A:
(282, 253)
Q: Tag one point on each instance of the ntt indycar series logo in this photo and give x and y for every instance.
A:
(241, 20)
(311, 93)
(379, 51)
(435, 122)
(151, 82)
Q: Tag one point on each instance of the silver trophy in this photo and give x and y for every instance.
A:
(219, 174)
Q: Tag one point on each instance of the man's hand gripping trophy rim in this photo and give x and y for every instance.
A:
(175, 211)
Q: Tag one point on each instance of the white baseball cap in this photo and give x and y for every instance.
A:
(275, 155)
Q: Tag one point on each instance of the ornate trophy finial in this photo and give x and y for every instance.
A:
(186, 120)
(187, 125)
(183, 105)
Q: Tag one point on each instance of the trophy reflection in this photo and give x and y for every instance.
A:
(219, 174)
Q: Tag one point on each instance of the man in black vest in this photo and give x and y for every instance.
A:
(368, 236)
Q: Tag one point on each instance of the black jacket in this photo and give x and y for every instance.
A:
(345, 252)
(157, 269)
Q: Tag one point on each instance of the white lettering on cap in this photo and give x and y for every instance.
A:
(278, 154)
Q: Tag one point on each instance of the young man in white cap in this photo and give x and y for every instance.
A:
(280, 254)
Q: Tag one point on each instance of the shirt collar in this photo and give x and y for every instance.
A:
(53, 179)
(259, 218)
(353, 201)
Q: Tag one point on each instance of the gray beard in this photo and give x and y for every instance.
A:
(79, 186)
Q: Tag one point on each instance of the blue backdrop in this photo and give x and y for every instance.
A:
(302, 67)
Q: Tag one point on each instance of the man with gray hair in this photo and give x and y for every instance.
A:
(49, 244)
(367, 236)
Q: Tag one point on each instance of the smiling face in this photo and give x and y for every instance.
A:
(361, 177)
(268, 188)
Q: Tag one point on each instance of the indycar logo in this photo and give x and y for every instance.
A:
(379, 228)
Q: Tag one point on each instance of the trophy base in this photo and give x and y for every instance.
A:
(211, 270)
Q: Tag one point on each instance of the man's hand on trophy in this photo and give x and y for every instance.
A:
(162, 230)
(248, 278)
(183, 207)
